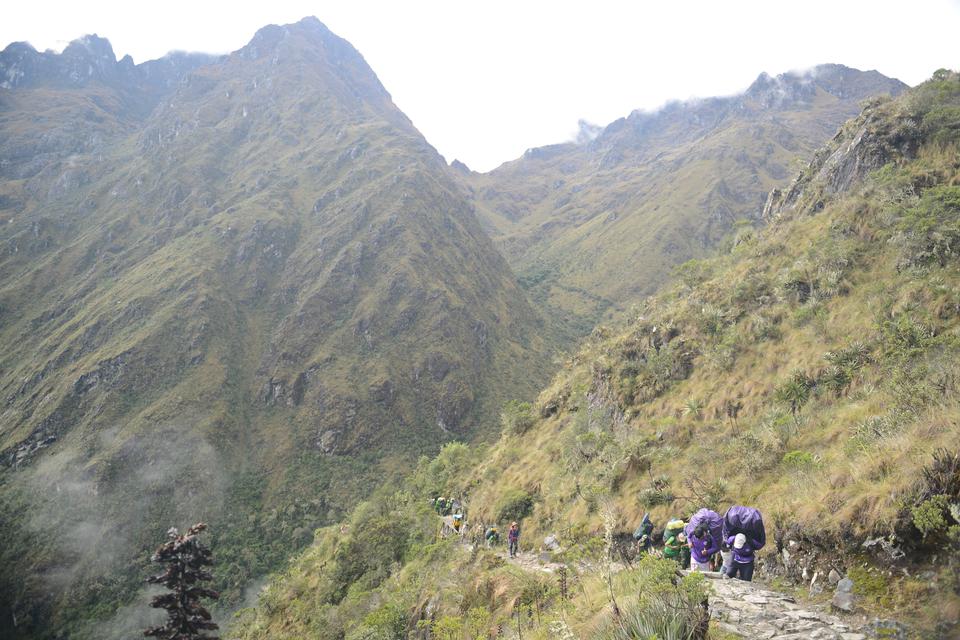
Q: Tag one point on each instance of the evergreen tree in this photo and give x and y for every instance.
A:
(185, 556)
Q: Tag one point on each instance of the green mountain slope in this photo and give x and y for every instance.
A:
(246, 307)
(591, 228)
(810, 371)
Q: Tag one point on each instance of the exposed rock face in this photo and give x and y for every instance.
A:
(865, 144)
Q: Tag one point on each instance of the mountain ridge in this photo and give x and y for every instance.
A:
(249, 307)
(578, 221)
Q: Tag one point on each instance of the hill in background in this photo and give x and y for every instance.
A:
(592, 227)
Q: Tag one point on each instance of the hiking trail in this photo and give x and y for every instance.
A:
(751, 610)
(746, 609)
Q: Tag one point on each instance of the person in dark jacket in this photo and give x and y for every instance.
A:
(513, 539)
(743, 559)
(644, 534)
(702, 548)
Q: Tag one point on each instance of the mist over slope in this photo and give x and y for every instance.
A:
(240, 290)
(591, 227)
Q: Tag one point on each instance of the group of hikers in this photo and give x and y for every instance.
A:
(453, 508)
(706, 541)
(709, 542)
(491, 536)
(447, 506)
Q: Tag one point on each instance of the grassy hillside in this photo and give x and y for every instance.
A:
(592, 228)
(261, 302)
(810, 370)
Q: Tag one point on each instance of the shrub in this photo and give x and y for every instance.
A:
(799, 459)
(389, 622)
(516, 504)
(812, 312)
(693, 272)
(665, 608)
(853, 357)
(780, 428)
(658, 493)
(930, 516)
(712, 320)
(761, 327)
(870, 432)
(929, 232)
(754, 289)
(517, 417)
(795, 391)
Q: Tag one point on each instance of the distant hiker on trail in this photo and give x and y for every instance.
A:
(513, 538)
(457, 522)
(643, 534)
(742, 564)
(492, 536)
(702, 548)
(440, 504)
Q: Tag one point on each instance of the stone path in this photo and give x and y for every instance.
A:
(749, 610)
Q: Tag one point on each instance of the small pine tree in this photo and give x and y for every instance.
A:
(185, 556)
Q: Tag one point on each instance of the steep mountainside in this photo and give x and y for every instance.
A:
(244, 304)
(811, 371)
(594, 227)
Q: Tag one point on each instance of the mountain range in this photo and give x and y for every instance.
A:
(244, 289)
(592, 227)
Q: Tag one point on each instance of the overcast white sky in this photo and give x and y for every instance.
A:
(486, 80)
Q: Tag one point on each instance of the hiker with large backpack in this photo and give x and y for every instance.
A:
(743, 530)
(704, 533)
(674, 540)
(513, 539)
(492, 536)
(643, 535)
(702, 548)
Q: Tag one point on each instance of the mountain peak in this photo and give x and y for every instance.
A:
(309, 43)
(800, 86)
(91, 46)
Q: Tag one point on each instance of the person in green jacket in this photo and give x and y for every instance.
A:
(673, 546)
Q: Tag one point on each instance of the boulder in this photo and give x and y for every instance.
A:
(844, 598)
(834, 577)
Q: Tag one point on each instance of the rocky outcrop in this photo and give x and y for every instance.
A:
(91, 59)
(863, 145)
